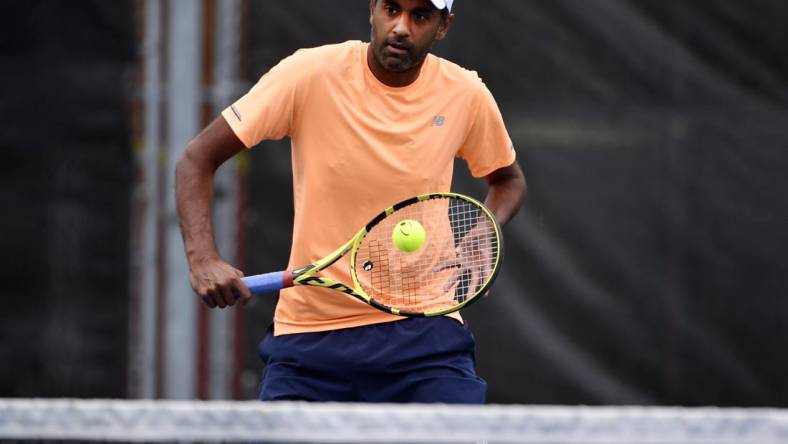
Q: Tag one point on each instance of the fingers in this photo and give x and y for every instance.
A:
(471, 262)
(220, 286)
(240, 292)
(226, 294)
(452, 281)
(230, 292)
(208, 301)
(445, 265)
(472, 269)
(474, 281)
(215, 298)
(484, 270)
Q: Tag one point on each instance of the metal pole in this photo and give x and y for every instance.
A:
(225, 90)
(145, 359)
(183, 121)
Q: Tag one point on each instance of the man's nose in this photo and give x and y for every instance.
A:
(402, 26)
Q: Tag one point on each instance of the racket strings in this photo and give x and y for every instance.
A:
(476, 242)
(379, 259)
(454, 264)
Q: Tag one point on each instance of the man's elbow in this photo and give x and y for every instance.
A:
(190, 161)
(521, 184)
(511, 178)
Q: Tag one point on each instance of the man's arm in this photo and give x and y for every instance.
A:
(507, 190)
(211, 277)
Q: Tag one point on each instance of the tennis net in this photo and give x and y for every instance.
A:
(44, 420)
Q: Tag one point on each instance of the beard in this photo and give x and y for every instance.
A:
(396, 56)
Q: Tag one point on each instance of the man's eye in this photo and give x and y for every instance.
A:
(391, 10)
(420, 17)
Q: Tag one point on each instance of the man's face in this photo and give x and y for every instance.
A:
(403, 32)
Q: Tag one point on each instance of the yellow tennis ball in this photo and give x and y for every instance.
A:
(408, 235)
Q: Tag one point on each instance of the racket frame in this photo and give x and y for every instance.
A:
(308, 275)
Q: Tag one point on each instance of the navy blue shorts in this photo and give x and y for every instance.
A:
(413, 360)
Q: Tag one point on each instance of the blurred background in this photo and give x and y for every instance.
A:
(648, 266)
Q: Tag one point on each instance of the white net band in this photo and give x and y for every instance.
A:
(219, 421)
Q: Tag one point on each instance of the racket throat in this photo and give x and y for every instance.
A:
(317, 281)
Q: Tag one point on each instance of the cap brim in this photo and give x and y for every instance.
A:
(441, 4)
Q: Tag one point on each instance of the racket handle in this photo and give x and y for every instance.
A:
(266, 283)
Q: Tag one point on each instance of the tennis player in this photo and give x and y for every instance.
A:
(370, 124)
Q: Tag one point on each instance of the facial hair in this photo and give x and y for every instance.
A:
(407, 57)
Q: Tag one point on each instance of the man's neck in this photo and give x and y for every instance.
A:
(391, 78)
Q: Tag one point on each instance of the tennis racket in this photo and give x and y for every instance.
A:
(456, 264)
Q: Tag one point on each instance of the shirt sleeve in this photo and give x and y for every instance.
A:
(487, 146)
(266, 111)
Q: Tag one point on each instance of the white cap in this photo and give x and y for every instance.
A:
(440, 4)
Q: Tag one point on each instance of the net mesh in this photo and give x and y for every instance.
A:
(43, 420)
(453, 264)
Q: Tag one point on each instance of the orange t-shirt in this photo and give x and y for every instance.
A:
(359, 146)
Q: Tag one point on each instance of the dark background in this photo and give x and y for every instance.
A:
(648, 266)
(66, 177)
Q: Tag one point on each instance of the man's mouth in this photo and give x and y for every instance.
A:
(397, 49)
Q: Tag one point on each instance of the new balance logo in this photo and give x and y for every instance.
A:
(236, 112)
(439, 121)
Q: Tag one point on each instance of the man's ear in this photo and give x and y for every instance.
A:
(371, 9)
(444, 27)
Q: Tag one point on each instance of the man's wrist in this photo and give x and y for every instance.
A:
(199, 257)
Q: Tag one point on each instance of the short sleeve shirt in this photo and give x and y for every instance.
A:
(359, 146)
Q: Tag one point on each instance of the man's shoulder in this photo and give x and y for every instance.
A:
(309, 63)
(453, 73)
(328, 55)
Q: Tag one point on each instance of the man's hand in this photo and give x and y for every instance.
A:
(218, 283)
(473, 261)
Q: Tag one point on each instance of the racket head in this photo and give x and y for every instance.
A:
(458, 262)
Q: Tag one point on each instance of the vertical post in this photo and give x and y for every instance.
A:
(183, 121)
(144, 334)
(226, 62)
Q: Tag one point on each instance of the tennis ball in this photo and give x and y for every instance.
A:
(408, 235)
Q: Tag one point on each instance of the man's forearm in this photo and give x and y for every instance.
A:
(194, 195)
(216, 282)
(506, 193)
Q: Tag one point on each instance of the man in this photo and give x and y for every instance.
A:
(370, 125)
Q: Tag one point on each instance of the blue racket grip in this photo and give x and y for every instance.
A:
(266, 283)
